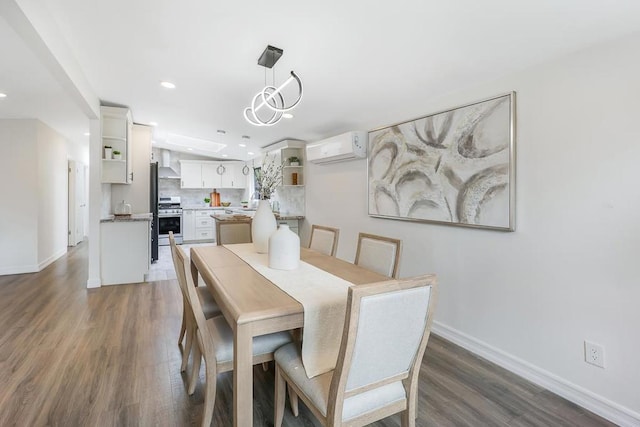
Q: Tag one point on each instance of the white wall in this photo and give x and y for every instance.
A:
(569, 271)
(53, 197)
(19, 206)
(34, 192)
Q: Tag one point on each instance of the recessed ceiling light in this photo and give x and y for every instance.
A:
(250, 153)
(190, 149)
(287, 116)
(242, 145)
(3, 95)
(221, 132)
(153, 123)
(87, 134)
(225, 155)
(167, 85)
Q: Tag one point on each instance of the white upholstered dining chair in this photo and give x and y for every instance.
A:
(207, 304)
(214, 343)
(324, 239)
(378, 253)
(385, 336)
(237, 231)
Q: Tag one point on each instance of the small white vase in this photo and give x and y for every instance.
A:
(284, 249)
(262, 227)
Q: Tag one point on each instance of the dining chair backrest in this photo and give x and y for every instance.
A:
(229, 232)
(378, 253)
(324, 239)
(177, 266)
(386, 332)
(183, 271)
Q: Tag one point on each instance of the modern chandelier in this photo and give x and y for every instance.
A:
(271, 98)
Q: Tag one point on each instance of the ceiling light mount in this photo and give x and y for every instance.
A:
(271, 96)
(270, 56)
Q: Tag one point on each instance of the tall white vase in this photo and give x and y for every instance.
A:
(262, 227)
(284, 249)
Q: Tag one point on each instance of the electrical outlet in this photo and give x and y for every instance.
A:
(594, 354)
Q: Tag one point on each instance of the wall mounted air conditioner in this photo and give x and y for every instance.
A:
(348, 146)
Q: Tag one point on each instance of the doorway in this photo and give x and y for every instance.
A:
(77, 202)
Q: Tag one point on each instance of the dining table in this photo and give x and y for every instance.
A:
(254, 306)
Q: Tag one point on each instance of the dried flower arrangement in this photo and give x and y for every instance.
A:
(269, 176)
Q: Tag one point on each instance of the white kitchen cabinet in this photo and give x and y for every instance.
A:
(188, 224)
(125, 251)
(205, 226)
(116, 126)
(232, 176)
(190, 174)
(210, 174)
(197, 225)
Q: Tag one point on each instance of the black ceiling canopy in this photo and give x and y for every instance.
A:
(270, 56)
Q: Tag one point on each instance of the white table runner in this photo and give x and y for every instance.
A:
(324, 298)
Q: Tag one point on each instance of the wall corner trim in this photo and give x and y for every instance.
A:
(612, 411)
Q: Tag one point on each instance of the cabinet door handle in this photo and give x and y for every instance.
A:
(182, 183)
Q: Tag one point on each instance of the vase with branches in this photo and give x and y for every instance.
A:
(268, 177)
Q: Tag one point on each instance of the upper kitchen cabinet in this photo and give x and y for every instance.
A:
(232, 175)
(116, 130)
(212, 174)
(290, 153)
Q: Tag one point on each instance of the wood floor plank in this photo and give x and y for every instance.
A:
(70, 356)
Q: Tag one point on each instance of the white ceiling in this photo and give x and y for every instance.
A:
(364, 64)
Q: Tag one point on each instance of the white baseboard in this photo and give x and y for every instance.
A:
(44, 264)
(32, 268)
(600, 405)
(22, 269)
(93, 283)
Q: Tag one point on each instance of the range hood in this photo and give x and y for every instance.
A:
(165, 170)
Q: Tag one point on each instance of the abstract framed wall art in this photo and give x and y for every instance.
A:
(453, 167)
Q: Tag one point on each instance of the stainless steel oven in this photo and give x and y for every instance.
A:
(169, 219)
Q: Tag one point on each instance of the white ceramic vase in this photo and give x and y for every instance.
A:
(284, 249)
(263, 226)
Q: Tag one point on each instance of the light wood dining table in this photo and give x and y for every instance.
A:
(253, 306)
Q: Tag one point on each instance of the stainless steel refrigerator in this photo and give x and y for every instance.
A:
(153, 203)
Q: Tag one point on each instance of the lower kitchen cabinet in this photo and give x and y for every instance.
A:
(197, 225)
(188, 224)
(125, 251)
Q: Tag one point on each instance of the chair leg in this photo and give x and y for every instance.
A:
(408, 417)
(293, 401)
(195, 372)
(279, 398)
(407, 420)
(190, 333)
(183, 327)
(209, 393)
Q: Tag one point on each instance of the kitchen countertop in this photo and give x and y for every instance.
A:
(240, 217)
(133, 217)
(216, 208)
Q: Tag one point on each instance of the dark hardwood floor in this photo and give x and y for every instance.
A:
(108, 357)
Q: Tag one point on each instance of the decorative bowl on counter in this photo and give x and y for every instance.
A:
(225, 204)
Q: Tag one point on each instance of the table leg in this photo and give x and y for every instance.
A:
(243, 377)
(194, 272)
